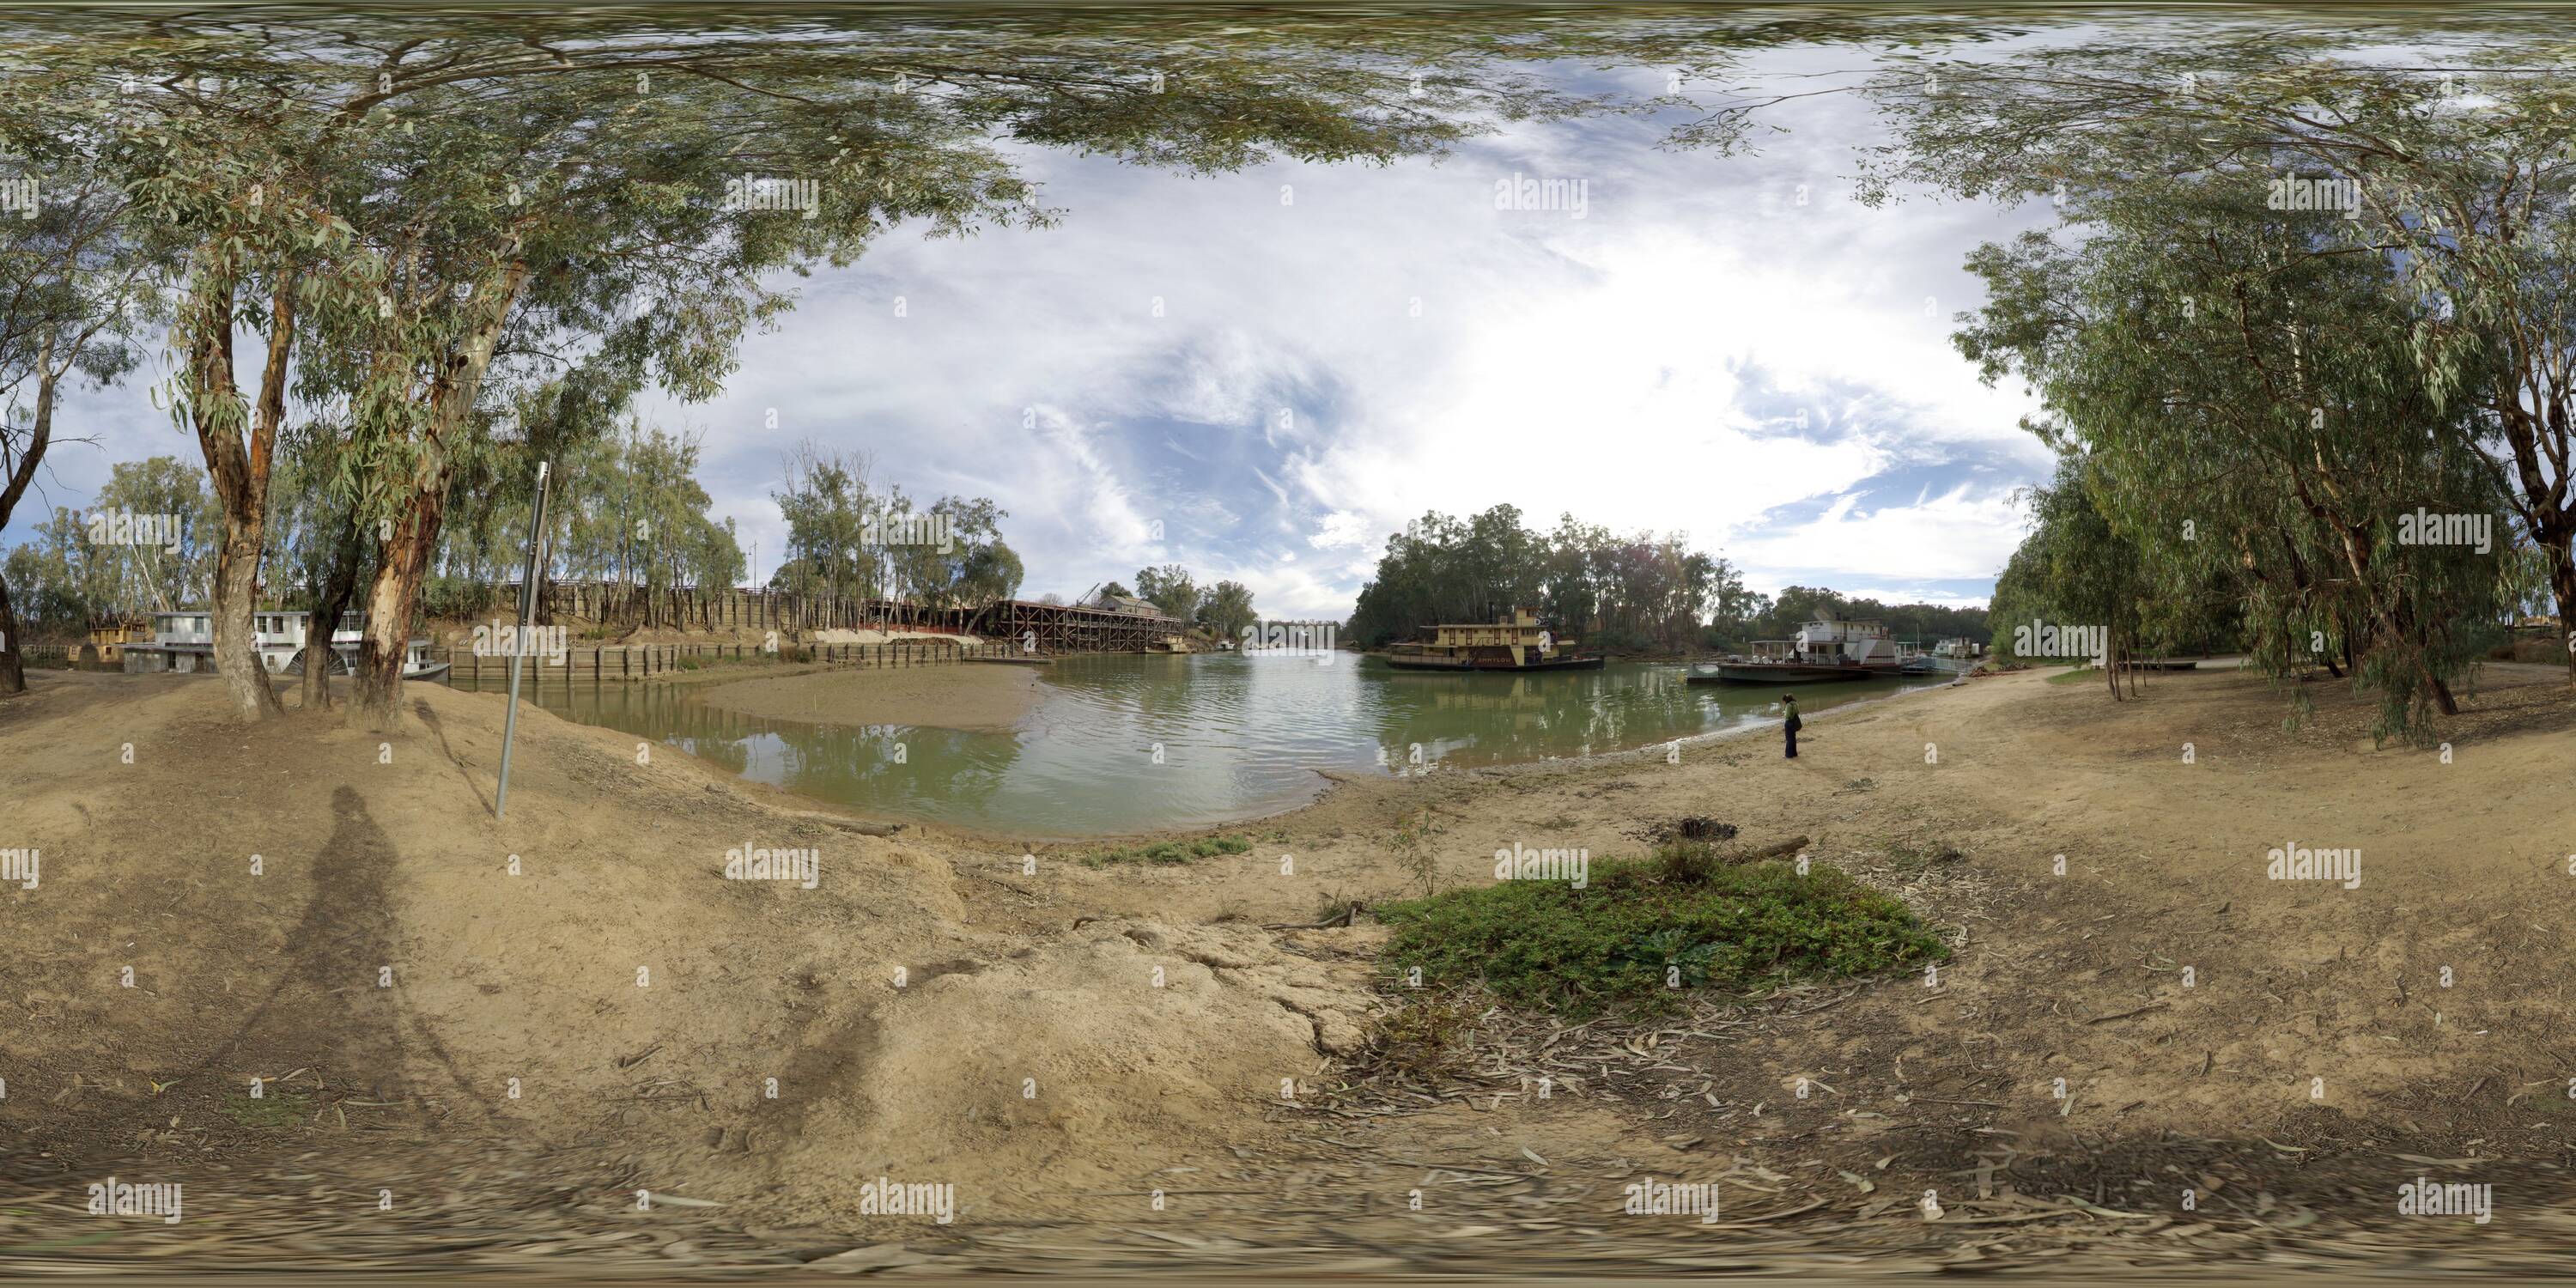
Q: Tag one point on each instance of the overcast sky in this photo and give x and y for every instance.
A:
(1339, 349)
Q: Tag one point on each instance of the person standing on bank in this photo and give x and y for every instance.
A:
(1791, 725)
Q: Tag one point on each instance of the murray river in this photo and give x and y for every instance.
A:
(1122, 744)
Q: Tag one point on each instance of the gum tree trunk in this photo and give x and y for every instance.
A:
(236, 598)
(2562, 586)
(390, 598)
(239, 470)
(13, 669)
(407, 551)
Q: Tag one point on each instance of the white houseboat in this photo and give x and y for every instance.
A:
(185, 642)
(1827, 648)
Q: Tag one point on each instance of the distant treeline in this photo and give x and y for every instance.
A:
(626, 508)
(1641, 591)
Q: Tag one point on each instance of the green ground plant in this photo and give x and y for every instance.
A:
(1644, 930)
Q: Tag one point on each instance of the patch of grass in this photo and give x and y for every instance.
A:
(2076, 673)
(1206, 847)
(1646, 928)
(274, 1110)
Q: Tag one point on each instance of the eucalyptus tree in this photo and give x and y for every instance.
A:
(1227, 610)
(1171, 588)
(318, 547)
(217, 161)
(949, 555)
(826, 498)
(421, 213)
(2453, 165)
(2249, 413)
(73, 291)
(2074, 569)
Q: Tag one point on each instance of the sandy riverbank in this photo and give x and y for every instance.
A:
(1033, 1057)
(972, 696)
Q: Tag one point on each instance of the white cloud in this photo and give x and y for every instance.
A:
(1960, 535)
(1636, 367)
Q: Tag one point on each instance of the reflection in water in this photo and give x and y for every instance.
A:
(1132, 744)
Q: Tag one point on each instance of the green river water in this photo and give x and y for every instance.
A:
(1126, 744)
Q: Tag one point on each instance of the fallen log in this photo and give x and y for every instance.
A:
(1790, 846)
(1347, 916)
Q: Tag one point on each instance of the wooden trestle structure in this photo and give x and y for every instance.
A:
(1069, 628)
(1058, 628)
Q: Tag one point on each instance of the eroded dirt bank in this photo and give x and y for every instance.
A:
(1057, 1045)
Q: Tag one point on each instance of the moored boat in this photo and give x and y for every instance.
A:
(1828, 648)
(1520, 643)
(185, 642)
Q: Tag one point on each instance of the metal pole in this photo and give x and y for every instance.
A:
(518, 646)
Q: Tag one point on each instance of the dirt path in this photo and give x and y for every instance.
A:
(1067, 1040)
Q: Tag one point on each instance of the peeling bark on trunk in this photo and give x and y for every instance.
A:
(236, 598)
(390, 597)
(239, 471)
(399, 574)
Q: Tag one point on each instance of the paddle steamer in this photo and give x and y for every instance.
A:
(1521, 642)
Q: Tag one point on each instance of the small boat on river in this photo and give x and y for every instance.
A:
(1518, 644)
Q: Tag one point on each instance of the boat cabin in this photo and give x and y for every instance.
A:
(1520, 642)
(1522, 638)
(1828, 640)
